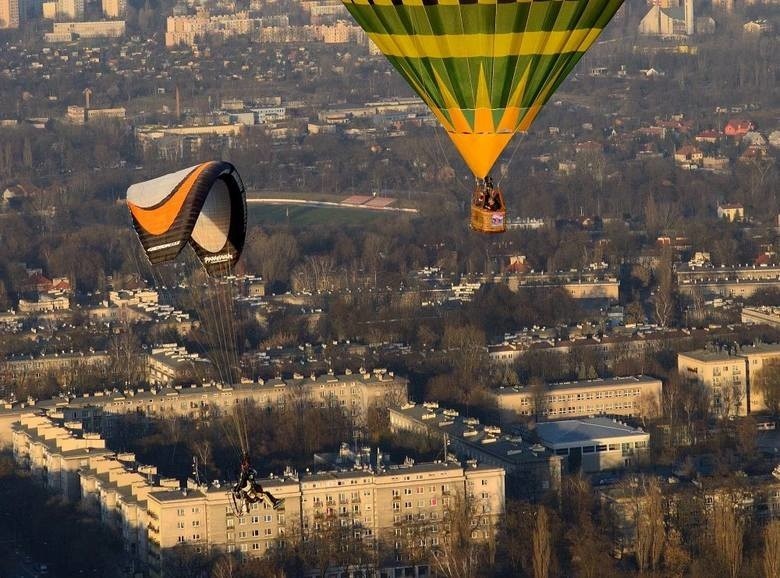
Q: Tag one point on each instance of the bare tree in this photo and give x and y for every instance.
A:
(539, 398)
(727, 537)
(540, 544)
(664, 300)
(771, 559)
(649, 519)
(461, 550)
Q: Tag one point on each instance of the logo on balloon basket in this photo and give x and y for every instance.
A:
(497, 220)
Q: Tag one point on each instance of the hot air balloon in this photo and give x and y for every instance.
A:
(484, 67)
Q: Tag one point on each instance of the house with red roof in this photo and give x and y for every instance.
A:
(738, 127)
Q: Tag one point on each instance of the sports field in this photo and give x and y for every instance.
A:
(303, 216)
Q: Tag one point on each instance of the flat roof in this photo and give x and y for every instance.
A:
(576, 431)
(484, 438)
(707, 356)
(589, 383)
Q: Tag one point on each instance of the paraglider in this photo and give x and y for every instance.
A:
(204, 208)
(485, 68)
(248, 490)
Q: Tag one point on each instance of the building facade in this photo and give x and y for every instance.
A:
(624, 396)
(154, 515)
(10, 14)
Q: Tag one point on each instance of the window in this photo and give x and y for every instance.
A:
(242, 534)
(180, 512)
(268, 518)
(180, 539)
(180, 525)
(484, 482)
(196, 536)
(196, 523)
(434, 502)
(255, 519)
(255, 546)
(407, 505)
(255, 533)
(196, 510)
(587, 449)
(267, 532)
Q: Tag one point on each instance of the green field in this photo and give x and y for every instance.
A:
(303, 216)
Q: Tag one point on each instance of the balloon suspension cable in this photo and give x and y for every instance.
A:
(518, 141)
(447, 160)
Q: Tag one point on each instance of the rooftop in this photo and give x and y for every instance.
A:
(584, 430)
(487, 439)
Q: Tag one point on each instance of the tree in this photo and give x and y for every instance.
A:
(649, 520)
(664, 300)
(727, 537)
(771, 558)
(540, 544)
(462, 548)
(539, 398)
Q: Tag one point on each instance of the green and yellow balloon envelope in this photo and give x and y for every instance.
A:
(484, 67)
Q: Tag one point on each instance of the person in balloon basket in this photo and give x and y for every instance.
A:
(493, 202)
(249, 490)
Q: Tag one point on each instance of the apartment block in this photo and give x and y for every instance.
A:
(730, 374)
(55, 452)
(622, 396)
(155, 515)
(371, 505)
(725, 375)
(354, 393)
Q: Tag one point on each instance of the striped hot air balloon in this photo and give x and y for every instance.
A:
(484, 67)
(204, 206)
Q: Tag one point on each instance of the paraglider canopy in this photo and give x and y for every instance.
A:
(204, 206)
(484, 67)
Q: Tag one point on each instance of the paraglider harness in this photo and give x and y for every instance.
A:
(248, 490)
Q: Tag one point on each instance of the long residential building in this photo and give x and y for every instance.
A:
(371, 505)
(726, 281)
(623, 396)
(354, 393)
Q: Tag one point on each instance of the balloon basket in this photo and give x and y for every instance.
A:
(486, 220)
